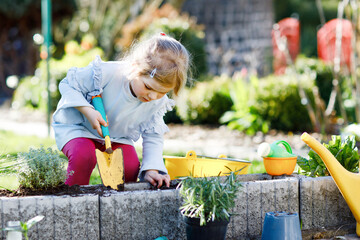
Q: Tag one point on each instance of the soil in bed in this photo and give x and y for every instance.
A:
(74, 190)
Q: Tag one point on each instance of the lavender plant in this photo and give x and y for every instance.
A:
(208, 198)
(41, 169)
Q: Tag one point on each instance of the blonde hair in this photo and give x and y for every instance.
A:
(167, 55)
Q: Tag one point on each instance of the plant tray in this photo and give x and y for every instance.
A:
(203, 166)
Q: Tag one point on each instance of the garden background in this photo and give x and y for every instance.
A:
(234, 81)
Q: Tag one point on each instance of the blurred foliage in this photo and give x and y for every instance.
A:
(244, 116)
(272, 102)
(205, 102)
(16, 8)
(32, 90)
(167, 19)
(307, 13)
(87, 36)
(324, 75)
(107, 21)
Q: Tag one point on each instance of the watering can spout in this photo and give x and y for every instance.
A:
(344, 179)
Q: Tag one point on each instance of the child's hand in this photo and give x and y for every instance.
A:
(94, 117)
(156, 179)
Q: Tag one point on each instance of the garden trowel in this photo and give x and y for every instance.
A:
(110, 163)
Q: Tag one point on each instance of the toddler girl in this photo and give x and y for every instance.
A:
(134, 95)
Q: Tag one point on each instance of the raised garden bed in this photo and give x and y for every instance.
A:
(140, 212)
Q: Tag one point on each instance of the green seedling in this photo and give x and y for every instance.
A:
(25, 226)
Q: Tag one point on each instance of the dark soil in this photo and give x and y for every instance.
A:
(58, 191)
(74, 190)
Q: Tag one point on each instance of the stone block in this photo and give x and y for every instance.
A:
(306, 202)
(85, 224)
(27, 210)
(238, 225)
(332, 203)
(293, 195)
(286, 195)
(321, 204)
(268, 198)
(172, 224)
(107, 215)
(10, 212)
(2, 223)
(152, 215)
(254, 209)
(93, 219)
(138, 215)
(62, 217)
(45, 207)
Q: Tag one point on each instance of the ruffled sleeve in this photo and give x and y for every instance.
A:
(87, 80)
(156, 123)
(152, 134)
(76, 89)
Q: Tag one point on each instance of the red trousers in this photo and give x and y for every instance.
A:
(82, 160)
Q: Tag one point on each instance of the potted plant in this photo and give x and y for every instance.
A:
(206, 205)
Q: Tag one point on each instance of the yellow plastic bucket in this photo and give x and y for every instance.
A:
(203, 167)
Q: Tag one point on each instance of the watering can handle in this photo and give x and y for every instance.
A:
(285, 144)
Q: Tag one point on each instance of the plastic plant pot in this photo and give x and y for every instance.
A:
(281, 226)
(215, 230)
(278, 166)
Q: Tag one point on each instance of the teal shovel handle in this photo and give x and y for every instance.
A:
(99, 106)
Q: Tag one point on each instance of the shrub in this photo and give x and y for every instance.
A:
(244, 116)
(272, 102)
(277, 100)
(206, 102)
(41, 169)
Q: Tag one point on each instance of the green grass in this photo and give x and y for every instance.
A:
(256, 167)
(11, 144)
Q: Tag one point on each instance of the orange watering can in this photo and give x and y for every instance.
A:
(346, 181)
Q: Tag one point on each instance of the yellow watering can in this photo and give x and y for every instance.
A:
(346, 181)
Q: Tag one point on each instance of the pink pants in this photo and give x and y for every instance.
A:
(82, 160)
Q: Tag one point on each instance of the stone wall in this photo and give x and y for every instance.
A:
(238, 33)
(140, 213)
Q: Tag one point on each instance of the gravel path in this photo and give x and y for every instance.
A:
(214, 141)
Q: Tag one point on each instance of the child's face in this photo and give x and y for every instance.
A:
(147, 89)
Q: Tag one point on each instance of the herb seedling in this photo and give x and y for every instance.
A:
(208, 198)
(25, 226)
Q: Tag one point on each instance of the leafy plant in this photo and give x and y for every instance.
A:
(345, 152)
(206, 102)
(243, 116)
(41, 169)
(208, 198)
(25, 226)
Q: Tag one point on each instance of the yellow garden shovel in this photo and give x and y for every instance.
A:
(110, 163)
